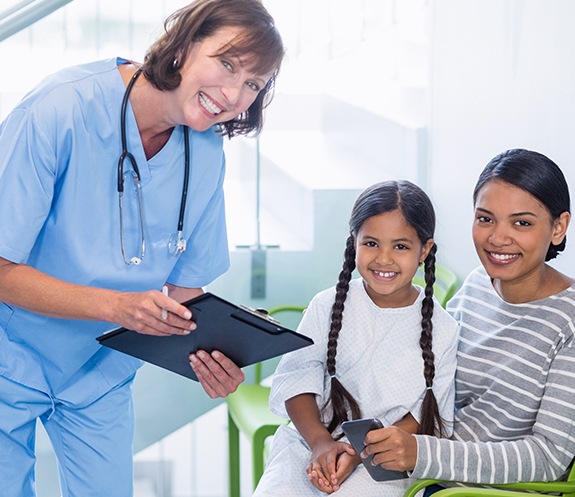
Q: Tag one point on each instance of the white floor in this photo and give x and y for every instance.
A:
(192, 462)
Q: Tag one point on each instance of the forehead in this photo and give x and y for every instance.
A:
(220, 41)
(497, 195)
(387, 225)
(240, 43)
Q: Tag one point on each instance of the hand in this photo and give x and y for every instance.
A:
(217, 374)
(323, 471)
(393, 448)
(346, 463)
(153, 313)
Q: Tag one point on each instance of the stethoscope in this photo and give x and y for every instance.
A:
(176, 242)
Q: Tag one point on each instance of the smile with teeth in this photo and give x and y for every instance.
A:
(209, 104)
(503, 257)
(385, 274)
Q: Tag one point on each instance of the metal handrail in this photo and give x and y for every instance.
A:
(15, 8)
(24, 13)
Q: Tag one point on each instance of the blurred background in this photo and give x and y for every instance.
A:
(425, 90)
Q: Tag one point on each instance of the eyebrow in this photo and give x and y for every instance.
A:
(259, 78)
(396, 240)
(515, 214)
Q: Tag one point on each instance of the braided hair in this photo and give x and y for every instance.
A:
(418, 211)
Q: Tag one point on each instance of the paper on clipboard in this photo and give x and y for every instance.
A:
(243, 335)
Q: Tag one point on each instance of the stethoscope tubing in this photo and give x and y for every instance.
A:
(180, 247)
(125, 154)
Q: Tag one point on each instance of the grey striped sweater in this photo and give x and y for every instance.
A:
(515, 390)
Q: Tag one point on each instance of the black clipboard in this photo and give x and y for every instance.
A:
(244, 335)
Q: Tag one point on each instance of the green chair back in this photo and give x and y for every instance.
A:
(445, 286)
(273, 311)
(249, 414)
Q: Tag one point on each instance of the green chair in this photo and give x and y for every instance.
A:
(248, 413)
(560, 488)
(446, 283)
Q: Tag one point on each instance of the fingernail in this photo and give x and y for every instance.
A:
(187, 315)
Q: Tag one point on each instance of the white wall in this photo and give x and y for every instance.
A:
(503, 76)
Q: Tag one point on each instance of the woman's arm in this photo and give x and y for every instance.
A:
(408, 424)
(33, 290)
(544, 455)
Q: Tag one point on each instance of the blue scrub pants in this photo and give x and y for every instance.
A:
(93, 444)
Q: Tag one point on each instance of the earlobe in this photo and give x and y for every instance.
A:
(560, 226)
(425, 250)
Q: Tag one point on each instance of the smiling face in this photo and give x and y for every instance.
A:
(216, 88)
(388, 252)
(512, 232)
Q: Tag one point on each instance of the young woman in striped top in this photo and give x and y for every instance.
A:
(515, 380)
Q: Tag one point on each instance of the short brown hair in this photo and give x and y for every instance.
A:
(259, 39)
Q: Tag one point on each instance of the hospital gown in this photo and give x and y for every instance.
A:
(379, 362)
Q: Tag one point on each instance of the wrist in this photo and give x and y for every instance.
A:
(321, 438)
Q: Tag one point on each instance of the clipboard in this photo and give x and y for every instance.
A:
(244, 335)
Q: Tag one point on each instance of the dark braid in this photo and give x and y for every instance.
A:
(431, 422)
(418, 211)
(340, 399)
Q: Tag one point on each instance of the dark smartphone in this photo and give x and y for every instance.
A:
(355, 431)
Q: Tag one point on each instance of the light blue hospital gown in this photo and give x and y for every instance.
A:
(379, 362)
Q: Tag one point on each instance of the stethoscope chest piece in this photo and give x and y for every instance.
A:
(176, 244)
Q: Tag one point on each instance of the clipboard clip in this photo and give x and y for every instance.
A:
(261, 313)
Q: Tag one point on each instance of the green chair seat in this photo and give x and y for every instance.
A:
(249, 414)
(560, 488)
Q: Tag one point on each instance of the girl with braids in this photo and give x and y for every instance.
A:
(372, 354)
(515, 382)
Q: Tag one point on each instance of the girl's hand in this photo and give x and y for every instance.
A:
(322, 470)
(346, 463)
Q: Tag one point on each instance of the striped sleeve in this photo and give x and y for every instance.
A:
(541, 456)
(515, 390)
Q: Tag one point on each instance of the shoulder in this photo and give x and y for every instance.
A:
(322, 301)
(476, 288)
(67, 89)
(209, 141)
(478, 306)
(477, 279)
(561, 305)
(321, 304)
(445, 327)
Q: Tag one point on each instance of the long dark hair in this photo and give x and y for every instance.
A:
(259, 42)
(536, 174)
(418, 211)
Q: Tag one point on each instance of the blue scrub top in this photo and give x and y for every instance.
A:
(59, 151)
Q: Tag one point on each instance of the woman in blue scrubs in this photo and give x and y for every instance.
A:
(88, 238)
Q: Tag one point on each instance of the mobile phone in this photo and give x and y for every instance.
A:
(355, 431)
